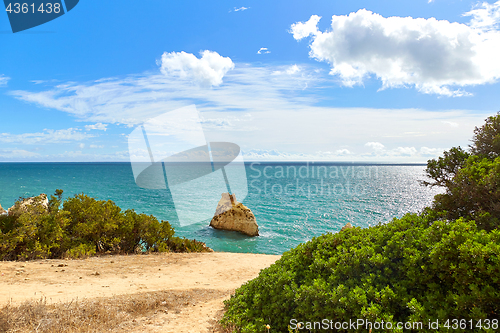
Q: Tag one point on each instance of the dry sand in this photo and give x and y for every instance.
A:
(102, 277)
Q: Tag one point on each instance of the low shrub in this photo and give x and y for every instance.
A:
(177, 244)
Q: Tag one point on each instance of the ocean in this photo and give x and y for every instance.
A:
(292, 202)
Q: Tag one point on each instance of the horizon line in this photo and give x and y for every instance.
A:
(257, 161)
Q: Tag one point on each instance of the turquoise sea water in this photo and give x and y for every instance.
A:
(293, 202)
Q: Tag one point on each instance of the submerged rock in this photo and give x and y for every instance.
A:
(234, 216)
(38, 202)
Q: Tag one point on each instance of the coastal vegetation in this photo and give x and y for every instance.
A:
(435, 271)
(82, 226)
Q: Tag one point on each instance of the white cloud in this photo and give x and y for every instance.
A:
(434, 56)
(277, 155)
(343, 152)
(377, 146)
(293, 69)
(263, 50)
(404, 151)
(485, 16)
(3, 80)
(241, 9)
(207, 71)
(380, 150)
(96, 146)
(228, 122)
(443, 91)
(47, 136)
(431, 152)
(81, 145)
(261, 111)
(289, 70)
(16, 153)
(136, 98)
(302, 30)
(450, 123)
(219, 123)
(98, 126)
(410, 154)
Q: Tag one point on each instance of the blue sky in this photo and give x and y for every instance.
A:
(392, 81)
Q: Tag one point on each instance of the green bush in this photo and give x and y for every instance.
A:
(409, 270)
(82, 226)
(31, 233)
(471, 179)
(177, 244)
(80, 251)
(145, 233)
(475, 193)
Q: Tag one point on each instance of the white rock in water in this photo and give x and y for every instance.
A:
(234, 216)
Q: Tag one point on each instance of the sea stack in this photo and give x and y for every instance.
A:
(347, 226)
(234, 216)
(29, 204)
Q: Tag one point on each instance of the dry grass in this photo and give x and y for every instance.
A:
(116, 314)
(217, 327)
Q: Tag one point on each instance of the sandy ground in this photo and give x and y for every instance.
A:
(66, 280)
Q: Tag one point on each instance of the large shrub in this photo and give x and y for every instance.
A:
(409, 270)
(475, 193)
(83, 226)
(471, 179)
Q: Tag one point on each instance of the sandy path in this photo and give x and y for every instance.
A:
(65, 280)
(107, 276)
(198, 318)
